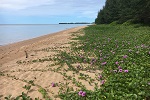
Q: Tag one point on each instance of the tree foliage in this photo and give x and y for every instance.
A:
(123, 10)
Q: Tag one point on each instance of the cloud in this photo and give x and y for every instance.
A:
(78, 8)
(23, 4)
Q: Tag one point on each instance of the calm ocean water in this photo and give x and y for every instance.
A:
(15, 33)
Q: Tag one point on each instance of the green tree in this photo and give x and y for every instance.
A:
(124, 10)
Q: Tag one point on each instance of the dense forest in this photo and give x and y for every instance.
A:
(136, 11)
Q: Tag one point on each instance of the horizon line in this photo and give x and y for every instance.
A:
(48, 24)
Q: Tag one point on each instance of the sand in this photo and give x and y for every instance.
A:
(20, 66)
(16, 50)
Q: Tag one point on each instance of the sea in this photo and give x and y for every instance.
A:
(15, 33)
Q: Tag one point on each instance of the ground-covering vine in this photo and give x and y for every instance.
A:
(122, 53)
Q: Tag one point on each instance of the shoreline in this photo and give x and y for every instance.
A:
(32, 60)
(15, 50)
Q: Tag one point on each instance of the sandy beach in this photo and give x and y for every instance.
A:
(19, 65)
(13, 51)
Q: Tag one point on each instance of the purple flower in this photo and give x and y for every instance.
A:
(78, 66)
(105, 56)
(53, 84)
(100, 54)
(100, 76)
(79, 55)
(148, 83)
(100, 50)
(125, 56)
(115, 70)
(120, 70)
(116, 62)
(130, 50)
(101, 58)
(94, 60)
(119, 67)
(121, 61)
(126, 71)
(83, 94)
(149, 52)
(80, 93)
(113, 52)
(103, 81)
(84, 60)
(104, 63)
(142, 45)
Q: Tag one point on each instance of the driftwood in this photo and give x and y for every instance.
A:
(26, 54)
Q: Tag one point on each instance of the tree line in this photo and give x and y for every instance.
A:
(136, 11)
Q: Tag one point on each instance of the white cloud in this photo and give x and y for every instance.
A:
(79, 8)
(23, 4)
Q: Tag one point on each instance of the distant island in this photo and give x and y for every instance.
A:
(76, 23)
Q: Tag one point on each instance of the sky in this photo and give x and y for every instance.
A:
(48, 11)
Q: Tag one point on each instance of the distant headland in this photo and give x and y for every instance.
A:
(76, 23)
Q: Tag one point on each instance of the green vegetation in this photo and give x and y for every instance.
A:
(123, 53)
(135, 11)
(23, 96)
(44, 93)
